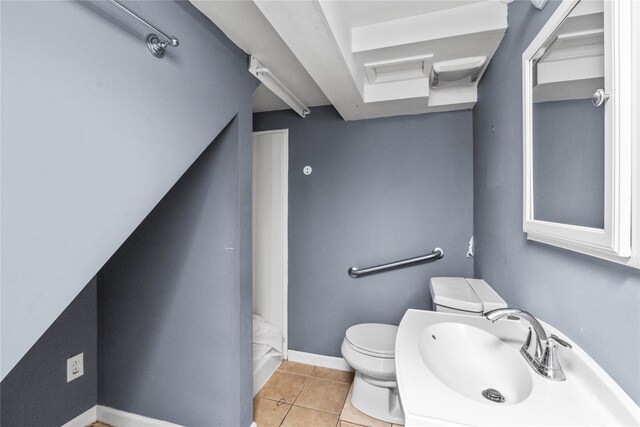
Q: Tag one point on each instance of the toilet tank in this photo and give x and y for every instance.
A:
(464, 296)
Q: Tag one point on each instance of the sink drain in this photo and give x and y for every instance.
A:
(493, 395)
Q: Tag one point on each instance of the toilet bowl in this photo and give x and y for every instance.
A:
(369, 348)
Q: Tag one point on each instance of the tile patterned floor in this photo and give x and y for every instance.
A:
(299, 395)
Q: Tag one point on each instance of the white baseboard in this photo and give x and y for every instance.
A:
(319, 360)
(119, 418)
(89, 416)
(115, 417)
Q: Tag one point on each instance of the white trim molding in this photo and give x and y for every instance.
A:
(86, 418)
(319, 360)
(615, 241)
(116, 417)
(284, 202)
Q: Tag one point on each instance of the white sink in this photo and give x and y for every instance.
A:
(445, 361)
(445, 348)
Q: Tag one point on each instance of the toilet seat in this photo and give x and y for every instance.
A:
(373, 339)
(369, 349)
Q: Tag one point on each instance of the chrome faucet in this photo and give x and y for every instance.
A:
(540, 352)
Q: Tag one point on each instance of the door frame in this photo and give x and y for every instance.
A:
(284, 176)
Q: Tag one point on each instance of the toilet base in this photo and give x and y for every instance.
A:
(377, 402)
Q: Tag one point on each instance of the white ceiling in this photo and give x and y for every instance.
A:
(319, 49)
(358, 14)
(265, 100)
(244, 24)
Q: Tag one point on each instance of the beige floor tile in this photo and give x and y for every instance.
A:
(269, 413)
(352, 415)
(299, 417)
(323, 395)
(398, 425)
(283, 385)
(295, 368)
(346, 424)
(333, 375)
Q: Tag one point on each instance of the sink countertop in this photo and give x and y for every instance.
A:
(587, 397)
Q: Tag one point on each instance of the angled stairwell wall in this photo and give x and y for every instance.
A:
(95, 131)
(36, 392)
(174, 302)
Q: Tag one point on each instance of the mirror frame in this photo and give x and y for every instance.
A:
(614, 242)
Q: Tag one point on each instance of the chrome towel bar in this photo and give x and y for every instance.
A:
(436, 254)
(154, 43)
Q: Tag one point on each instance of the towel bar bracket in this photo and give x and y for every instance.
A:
(155, 44)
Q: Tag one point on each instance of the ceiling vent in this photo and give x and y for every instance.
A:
(457, 72)
(394, 70)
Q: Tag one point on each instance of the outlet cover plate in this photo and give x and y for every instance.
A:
(75, 367)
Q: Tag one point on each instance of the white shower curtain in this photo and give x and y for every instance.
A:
(267, 340)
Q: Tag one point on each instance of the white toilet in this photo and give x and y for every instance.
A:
(369, 348)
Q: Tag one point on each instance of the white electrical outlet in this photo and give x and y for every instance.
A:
(75, 367)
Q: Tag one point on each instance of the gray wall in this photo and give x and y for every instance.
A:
(95, 130)
(568, 166)
(381, 190)
(36, 392)
(596, 303)
(174, 302)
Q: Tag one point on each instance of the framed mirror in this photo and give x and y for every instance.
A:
(578, 96)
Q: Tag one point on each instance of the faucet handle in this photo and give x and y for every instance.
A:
(550, 364)
(556, 339)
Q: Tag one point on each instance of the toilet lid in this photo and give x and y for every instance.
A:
(455, 293)
(375, 338)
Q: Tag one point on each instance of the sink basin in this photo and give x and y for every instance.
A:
(455, 370)
(470, 360)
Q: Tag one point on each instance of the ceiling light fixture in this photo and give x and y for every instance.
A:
(268, 79)
(456, 72)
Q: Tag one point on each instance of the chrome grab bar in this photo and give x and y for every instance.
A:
(356, 272)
